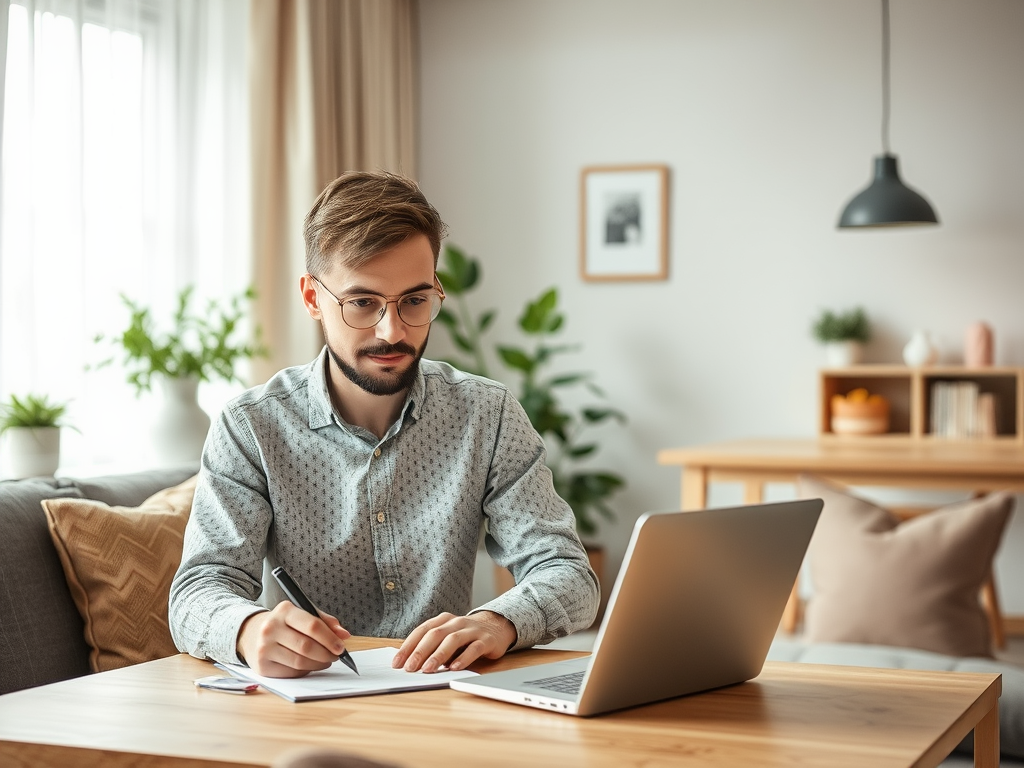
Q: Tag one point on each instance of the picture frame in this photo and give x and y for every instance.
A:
(624, 222)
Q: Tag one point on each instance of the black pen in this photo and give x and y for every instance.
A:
(297, 596)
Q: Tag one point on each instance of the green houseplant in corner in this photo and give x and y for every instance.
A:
(201, 346)
(31, 425)
(565, 430)
(843, 334)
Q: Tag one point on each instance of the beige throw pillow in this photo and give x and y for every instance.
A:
(913, 584)
(119, 562)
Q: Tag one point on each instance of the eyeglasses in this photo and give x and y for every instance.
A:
(362, 311)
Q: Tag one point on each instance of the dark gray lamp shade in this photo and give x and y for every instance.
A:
(887, 202)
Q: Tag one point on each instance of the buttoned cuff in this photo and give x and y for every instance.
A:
(224, 639)
(534, 624)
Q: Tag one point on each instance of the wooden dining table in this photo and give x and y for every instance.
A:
(974, 466)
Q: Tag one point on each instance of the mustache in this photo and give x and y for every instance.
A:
(389, 349)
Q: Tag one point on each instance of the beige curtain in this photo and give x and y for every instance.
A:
(333, 89)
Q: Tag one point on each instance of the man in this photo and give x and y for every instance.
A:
(370, 473)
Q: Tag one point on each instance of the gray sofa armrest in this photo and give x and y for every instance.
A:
(41, 631)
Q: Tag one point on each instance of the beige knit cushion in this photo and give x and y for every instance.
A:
(119, 562)
(913, 584)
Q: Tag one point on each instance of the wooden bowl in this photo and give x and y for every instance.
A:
(868, 417)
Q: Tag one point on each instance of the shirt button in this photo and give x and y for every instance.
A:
(390, 586)
(380, 517)
(376, 453)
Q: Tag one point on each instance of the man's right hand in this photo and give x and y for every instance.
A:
(288, 642)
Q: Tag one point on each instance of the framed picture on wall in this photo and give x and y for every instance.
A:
(624, 222)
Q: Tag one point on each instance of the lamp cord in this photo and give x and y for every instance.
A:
(885, 76)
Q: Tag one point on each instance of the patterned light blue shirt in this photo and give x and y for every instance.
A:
(383, 533)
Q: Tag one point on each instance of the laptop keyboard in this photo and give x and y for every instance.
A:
(568, 683)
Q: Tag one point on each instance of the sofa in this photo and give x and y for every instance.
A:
(43, 633)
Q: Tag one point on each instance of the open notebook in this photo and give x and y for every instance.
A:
(695, 606)
(338, 681)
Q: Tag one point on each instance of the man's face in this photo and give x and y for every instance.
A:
(384, 359)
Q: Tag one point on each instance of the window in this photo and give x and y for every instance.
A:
(124, 171)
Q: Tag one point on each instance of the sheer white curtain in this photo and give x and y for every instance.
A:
(124, 170)
(4, 6)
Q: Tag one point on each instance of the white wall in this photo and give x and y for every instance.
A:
(768, 115)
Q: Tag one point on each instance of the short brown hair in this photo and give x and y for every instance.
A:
(360, 214)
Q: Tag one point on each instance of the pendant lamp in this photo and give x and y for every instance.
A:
(887, 202)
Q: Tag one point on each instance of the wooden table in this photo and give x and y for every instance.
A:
(976, 466)
(792, 714)
(930, 464)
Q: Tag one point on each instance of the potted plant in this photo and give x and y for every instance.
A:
(32, 427)
(564, 429)
(843, 334)
(201, 346)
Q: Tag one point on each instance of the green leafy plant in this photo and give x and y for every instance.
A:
(202, 345)
(31, 411)
(564, 429)
(842, 326)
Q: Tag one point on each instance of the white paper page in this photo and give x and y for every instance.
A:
(337, 681)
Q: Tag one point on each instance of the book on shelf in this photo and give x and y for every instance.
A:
(960, 410)
(986, 415)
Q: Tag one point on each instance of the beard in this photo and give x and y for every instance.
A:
(389, 382)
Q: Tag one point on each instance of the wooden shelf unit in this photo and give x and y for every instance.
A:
(909, 392)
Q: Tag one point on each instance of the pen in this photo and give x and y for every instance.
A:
(297, 596)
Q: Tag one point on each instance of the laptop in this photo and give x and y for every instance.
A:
(695, 606)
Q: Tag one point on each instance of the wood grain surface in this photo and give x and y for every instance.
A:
(792, 714)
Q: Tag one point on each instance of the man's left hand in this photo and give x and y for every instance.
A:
(455, 641)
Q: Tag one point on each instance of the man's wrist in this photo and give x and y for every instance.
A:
(503, 624)
(246, 622)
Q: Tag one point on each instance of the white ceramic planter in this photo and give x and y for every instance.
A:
(32, 451)
(842, 354)
(180, 429)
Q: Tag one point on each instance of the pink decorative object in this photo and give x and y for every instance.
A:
(978, 346)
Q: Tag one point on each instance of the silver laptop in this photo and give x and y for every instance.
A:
(696, 604)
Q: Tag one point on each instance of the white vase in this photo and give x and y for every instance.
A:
(32, 451)
(920, 350)
(180, 429)
(842, 354)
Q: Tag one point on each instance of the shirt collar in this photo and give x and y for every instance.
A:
(417, 393)
(321, 412)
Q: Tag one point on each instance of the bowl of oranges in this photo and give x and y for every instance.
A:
(859, 412)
